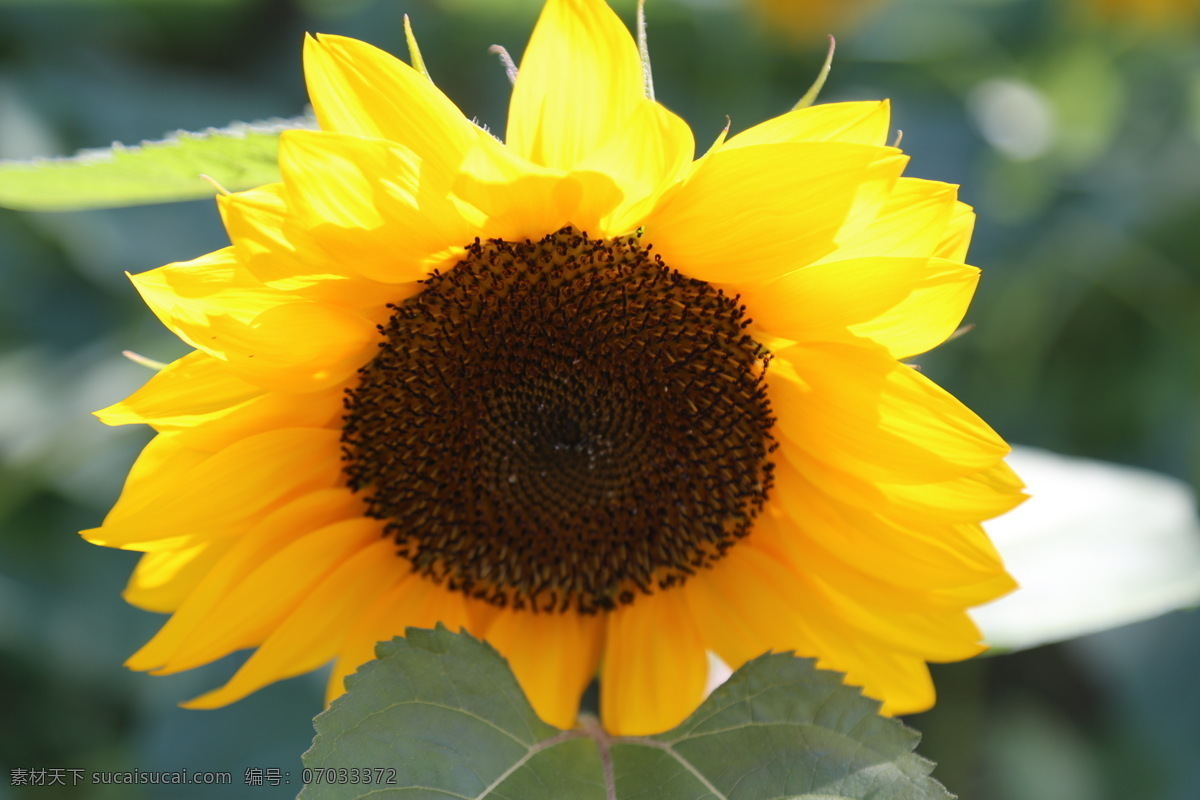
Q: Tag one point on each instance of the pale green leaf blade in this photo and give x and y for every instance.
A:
(1097, 545)
(241, 156)
(444, 711)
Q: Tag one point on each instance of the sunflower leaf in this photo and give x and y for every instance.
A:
(184, 166)
(440, 715)
(1097, 545)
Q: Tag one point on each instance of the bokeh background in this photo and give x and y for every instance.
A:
(1073, 127)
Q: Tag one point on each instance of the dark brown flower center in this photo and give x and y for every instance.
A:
(562, 425)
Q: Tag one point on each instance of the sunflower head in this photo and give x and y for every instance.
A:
(528, 373)
(607, 405)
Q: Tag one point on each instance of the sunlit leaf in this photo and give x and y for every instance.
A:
(1097, 545)
(238, 157)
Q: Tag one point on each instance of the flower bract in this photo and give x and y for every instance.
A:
(603, 403)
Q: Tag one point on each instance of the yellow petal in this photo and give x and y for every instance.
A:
(740, 612)
(653, 151)
(188, 295)
(779, 613)
(554, 657)
(900, 681)
(858, 410)
(383, 212)
(414, 602)
(907, 305)
(599, 198)
(929, 633)
(916, 622)
(296, 347)
(360, 90)
(273, 410)
(936, 558)
(755, 213)
(968, 499)
(654, 667)
(190, 501)
(972, 498)
(861, 122)
(911, 222)
(143, 486)
(314, 630)
(182, 394)
(957, 236)
(207, 407)
(268, 239)
(164, 579)
(928, 315)
(274, 532)
(579, 81)
(271, 338)
(520, 200)
(250, 610)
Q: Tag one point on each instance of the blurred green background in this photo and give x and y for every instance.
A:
(1076, 137)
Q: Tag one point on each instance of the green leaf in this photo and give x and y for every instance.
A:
(439, 715)
(1096, 545)
(238, 157)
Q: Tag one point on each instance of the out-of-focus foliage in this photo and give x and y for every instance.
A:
(1159, 14)
(1076, 138)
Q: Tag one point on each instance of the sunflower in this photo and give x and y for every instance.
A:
(606, 406)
